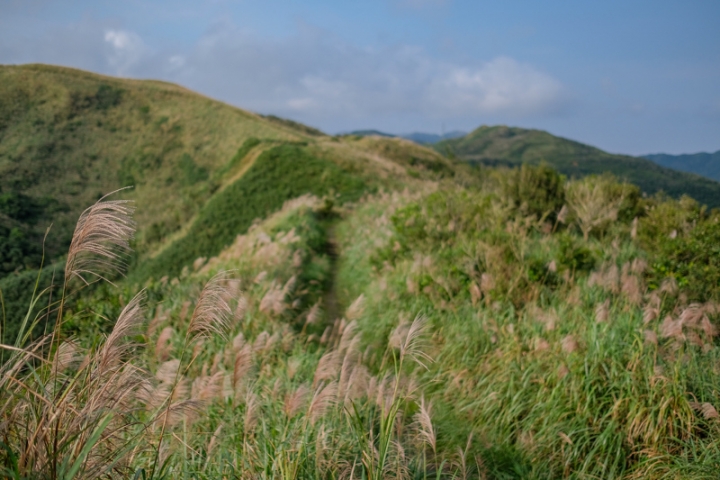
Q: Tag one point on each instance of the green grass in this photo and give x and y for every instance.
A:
(606, 405)
(553, 352)
(279, 174)
(67, 137)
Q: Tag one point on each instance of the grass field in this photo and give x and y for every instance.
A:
(351, 307)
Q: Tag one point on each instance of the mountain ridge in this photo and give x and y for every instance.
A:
(511, 146)
(706, 164)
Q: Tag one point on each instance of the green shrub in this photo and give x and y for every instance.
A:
(692, 259)
(596, 201)
(192, 173)
(17, 290)
(534, 190)
(279, 174)
(663, 216)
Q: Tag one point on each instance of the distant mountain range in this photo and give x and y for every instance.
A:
(509, 146)
(705, 164)
(417, 137)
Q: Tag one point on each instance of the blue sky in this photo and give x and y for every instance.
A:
(627, 76)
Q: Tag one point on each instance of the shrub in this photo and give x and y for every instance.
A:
(596, 202)
(279, 174)
(665, 216)
(534, 190)
(693, 259)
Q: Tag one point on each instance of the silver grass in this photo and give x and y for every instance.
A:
(101, 241)
(414, 342)
(212, 313)
(425, 426)
(128, 324)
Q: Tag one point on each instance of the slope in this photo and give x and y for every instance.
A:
(705, 164)
(501, 145)
(67, 137)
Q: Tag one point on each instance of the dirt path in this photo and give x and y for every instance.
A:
(329, 301)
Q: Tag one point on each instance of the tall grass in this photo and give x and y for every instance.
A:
(552, 348)
(232, 386)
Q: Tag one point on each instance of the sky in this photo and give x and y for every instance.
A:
(629, 76)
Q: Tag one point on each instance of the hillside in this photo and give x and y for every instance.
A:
(339, 307)
(705, 164)
(509, 146)
(67, 137)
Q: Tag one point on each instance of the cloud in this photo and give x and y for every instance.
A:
(127, 49)
(502, 85)
(311, 76)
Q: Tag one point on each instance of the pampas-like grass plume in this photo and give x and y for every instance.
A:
(295, 401)
(212, 313)
(325, 398)
(425, 426)
(355, 310)
(163, 347)
(101, 240)
(413, 343)
(128, 324)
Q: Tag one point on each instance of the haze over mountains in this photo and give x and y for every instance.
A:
(705, 164)
(417, 137)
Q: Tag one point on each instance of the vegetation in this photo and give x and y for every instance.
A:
(279, 174)
(66, 136)
(353, 307)
(705, 164)
(507, 146)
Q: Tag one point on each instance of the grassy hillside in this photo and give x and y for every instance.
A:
(502, 145)
(354, 307)
(705, 164)
(67, 137)
(442, 331)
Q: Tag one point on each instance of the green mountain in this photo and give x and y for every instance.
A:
(508, 146)
(313, 307)
(67, 137)
(705, 164)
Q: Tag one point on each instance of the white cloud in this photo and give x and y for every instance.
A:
(501, 86)
(126, 50)
(313, 76)
(177, 61)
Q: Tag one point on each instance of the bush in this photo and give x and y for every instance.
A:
(279, 174)
(665, 216)
(597, 201)
(692, 259)
(17, 290)
(534, 190)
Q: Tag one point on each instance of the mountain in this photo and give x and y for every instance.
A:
(68, 136)
(417, 137)
(705, 164)
(430, 138)
(509, 146)
(301, 305)
(370, 133)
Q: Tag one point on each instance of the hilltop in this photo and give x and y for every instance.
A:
(509, 146)
(705, 164)
(68, 136)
